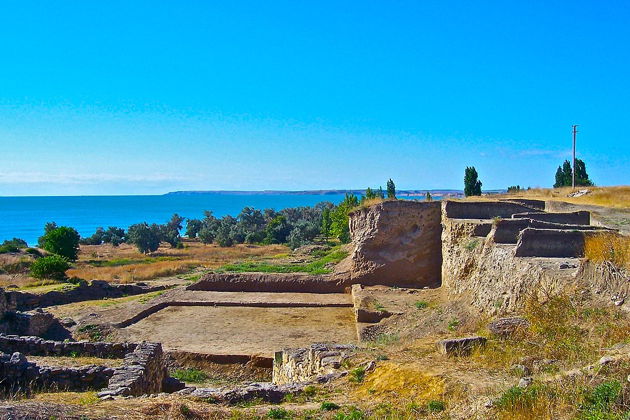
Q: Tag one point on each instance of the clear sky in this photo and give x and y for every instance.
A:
(141, 97)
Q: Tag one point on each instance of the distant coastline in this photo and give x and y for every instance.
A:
(402, 193)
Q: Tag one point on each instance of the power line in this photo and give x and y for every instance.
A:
(573, 171)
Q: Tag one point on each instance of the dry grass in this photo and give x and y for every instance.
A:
(70, 398)
(67, 361)
(570, 331)
(618, 196)
(125, 264)
(608, 247)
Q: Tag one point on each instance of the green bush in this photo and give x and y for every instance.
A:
(357, 375)
(51, 267)
(435, 406)
(421, 304)
(63, 241)
(329, 406)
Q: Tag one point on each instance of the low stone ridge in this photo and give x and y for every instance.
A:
(256, 391)
(460, 346)
(36, 346)
(506, 231)
(570, 218)
(550, 243)
(306, 364)
(143, 372)
(534, 204)
(97, 289)
(396, 243)
(364, 307)
(482, 209)
(20, 375)
(268, 282)
(504, 327)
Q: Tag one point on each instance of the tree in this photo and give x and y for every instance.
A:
(47, 228)
(564, 175)
(63, 241)
(145, 237)
(472, 185)
(326, 222)
(339, 226)
(277, 230)
(193, 226)
(514, 189)
(391, 189)
(428, 196)
(169, 232)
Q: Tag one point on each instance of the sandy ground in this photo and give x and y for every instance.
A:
(243, 330)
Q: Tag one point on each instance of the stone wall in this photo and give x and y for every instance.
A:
(21, 376)
(97, 289)
(506, 231)
(396, 243)
(570, 218)
(307, 364)
(268, 282)
(143, 372)
(482, 209)
(534, 204)
(490, 278)
(36, 346)
(550, 243)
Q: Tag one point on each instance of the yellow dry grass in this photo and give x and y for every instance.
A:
(164, 262)
(618, 196)
(392, 381)
(71, 398)
(608, 247)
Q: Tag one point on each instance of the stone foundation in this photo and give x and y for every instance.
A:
(307, 364)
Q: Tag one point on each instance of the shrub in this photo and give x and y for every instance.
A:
(453, 324)
(601, 399)
(63, 241)
(421, 304)
(329, 406)
(50, 267)
(278, 413)
(357, 375)
(435, 406)
(12, 245)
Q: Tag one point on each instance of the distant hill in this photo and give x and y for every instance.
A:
(400, 193)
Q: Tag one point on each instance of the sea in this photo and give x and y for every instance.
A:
(25, 217)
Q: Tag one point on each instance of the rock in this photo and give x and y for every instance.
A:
(606, 360)
(460, 346)
(507, 326)
(525, 382)
(521, 369)
(68, 322)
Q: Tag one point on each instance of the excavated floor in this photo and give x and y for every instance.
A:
(242, 329)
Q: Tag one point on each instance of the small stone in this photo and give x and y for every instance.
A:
(525, 382)
(606, 360)
(460, 346)
(507, 326)
(619, 302)
(489, 404)
(521, 369)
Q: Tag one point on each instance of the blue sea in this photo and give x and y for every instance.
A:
(24, 217)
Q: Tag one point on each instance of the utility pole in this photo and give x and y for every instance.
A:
(573, 171)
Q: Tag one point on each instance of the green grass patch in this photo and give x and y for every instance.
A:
(318, 266)
(190, 375)
(421, 304)
(117, 262)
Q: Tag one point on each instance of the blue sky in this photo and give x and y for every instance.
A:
(141, 97)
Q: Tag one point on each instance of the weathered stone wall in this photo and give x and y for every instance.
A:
(482, 209)
(571, 218)
(306, 364)
(265, 282)
(396, 243)
(97, 289)
(506, 231)
(534, 204)
(36, 346)
(143, 372)
(20, 375)
(490, 277)
(550, 243)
